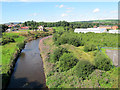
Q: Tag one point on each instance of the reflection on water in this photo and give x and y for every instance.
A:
(28, 71)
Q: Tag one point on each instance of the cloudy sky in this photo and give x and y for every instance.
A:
(56, 11)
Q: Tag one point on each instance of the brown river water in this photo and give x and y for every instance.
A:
(28, 71)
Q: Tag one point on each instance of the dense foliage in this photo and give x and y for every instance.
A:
(102, 62)
(85, 74)
(66, 62)
(89, 47)
(21, 45)
(57, 53)
(8, 38)
(4, 27)
(67, 38)
(84, 68)
(98, 39)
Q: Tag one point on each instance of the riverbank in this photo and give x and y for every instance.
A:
(13, 50)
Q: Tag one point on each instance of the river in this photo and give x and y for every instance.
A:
(28, 71)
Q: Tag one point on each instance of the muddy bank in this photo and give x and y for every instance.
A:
(44, 51)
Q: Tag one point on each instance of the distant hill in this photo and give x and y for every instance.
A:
(101, 21)
(13, 22)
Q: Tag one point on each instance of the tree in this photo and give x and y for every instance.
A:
(4, 27)
(102, 62)
(66, 62)
(84, 68)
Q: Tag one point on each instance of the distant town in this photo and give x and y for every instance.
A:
(95, 29)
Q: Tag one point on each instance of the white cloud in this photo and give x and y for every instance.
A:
(61, 6)
(96, 10)
(63, 15)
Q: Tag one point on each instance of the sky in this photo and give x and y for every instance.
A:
(56, 11)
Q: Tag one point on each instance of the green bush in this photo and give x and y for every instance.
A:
(36, 36)
(21, 45)
(57, 53)
(89, 47)
(66, 62)
(102, 62)
(6, 40)
(84, 68)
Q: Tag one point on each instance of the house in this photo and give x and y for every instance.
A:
(95, 30)
(114, 31)
(114, 27)
(40, 28)
(8, 30)
(105, 26)
(108, 27)
(25, 27)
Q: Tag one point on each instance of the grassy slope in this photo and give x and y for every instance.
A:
(8, 50)
(69, 79)
(58, 28)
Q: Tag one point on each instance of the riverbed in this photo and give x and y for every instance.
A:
(28, 71)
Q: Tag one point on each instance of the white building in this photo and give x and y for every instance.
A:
(8, 30)
(95, 30)
(40, 28)
(114, 31)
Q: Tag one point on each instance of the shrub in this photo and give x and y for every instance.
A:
(67, 38)
(66, 62)
(21, 45)
(84, 68)
(57, 53)
(89, 47)
(36, 36)
(6, 40)
(102, 62)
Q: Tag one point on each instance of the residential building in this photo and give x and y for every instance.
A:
(40, 28)
(25, 27)
(108, 27)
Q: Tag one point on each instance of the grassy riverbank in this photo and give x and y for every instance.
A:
(68, 79)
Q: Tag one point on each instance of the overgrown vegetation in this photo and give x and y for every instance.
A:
(83, 66)
(89, 47)
(102, 62)
(57, 53)
(66, 62)
(98, 39)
